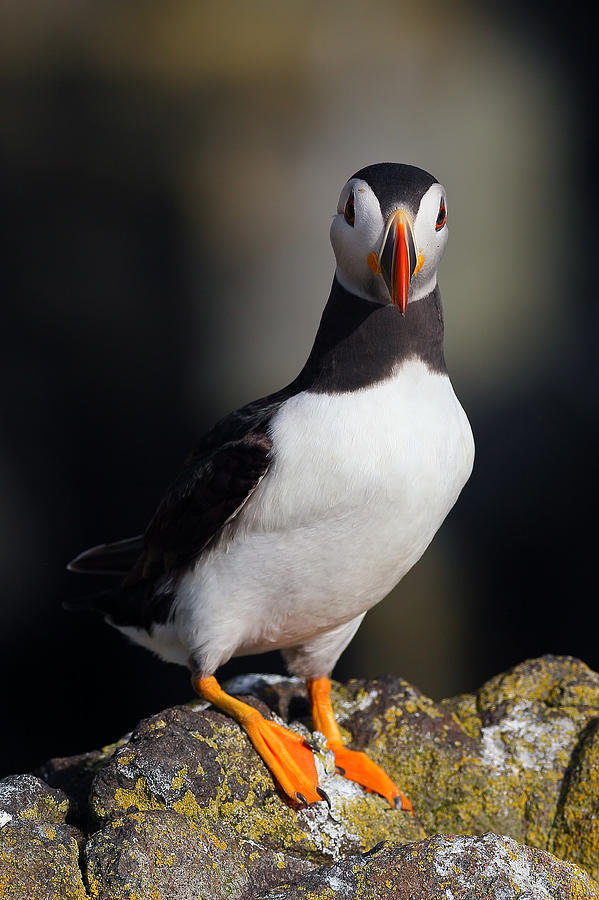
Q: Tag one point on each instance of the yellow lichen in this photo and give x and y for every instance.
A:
(125, 760)
(179, 779)
(157, 725)
(140, 796)
(187, 805)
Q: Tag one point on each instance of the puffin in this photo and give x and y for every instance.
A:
(298, 512)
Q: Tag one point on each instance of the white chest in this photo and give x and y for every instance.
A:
(391, 457)
(358, 485)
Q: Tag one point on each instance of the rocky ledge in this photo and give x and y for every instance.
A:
(505, 783)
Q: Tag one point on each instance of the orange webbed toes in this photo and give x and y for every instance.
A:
(289, 759)
(286, 754)
(357, 766)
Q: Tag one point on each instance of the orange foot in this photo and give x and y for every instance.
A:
(356, 766)
(351, 763)
(286, 754)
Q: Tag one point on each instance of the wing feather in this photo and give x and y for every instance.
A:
(218, 478)
(207, 494)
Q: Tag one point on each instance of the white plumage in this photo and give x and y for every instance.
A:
(358, 485)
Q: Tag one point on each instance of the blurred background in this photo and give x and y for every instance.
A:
(168, 173)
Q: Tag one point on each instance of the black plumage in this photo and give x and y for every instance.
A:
(383, 178)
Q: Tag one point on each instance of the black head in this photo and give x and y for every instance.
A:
(384, 179)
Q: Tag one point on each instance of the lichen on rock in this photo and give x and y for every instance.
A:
(40, 861)
(493, 867)
(28, 797)
(162, 854)
(184, 807)
(202, 767)
(575, 831)
(495, 760)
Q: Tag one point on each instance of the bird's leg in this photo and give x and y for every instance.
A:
(286, 754)
(354, 764)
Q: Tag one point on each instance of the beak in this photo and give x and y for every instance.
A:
(397, 257)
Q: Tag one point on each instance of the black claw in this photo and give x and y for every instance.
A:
(375, 849)
(398, 803)
(341, 770)
(301, 799)
(310, 746)
(324, 796)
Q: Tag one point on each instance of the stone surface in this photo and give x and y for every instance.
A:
(40, 861)
(447, 867)
(519, 757)
(28, 797)
(202, 766)
(184, 803)
(74, 776)
(575, 832)
(163, 854)
(493, 761)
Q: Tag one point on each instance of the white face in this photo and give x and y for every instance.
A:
(352, 244)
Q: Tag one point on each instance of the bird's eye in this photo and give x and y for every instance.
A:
(442, 217)
(349, 213)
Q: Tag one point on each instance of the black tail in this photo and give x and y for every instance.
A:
(100, 602)
(141, 605)
(117, 558)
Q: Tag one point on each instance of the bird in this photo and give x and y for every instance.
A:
(297, 513)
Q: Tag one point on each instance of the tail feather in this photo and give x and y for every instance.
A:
(117, 558)
(141, 606)
(101, 601)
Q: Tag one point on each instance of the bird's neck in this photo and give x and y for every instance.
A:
(360, 342)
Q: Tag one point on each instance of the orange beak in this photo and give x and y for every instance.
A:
(397, 257)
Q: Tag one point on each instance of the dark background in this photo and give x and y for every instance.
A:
(168, 173)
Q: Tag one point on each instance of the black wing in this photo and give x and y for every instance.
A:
(218, 478)
(220, 475)
(208, 493)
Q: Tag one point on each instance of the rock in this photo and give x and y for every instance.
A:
(28, 797)
(575, 832)
(39, 853)
(164, 854)
(495, 760)
(74, 776)
(40, 861)
(202, 766)
(498, 760)
(184, 803)
(456, 867)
